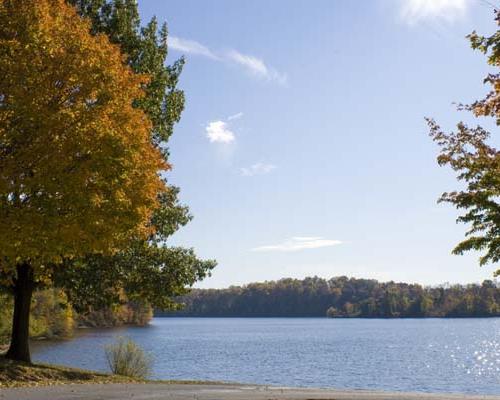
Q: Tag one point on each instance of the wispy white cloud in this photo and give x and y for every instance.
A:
(299, 243)
(190, 47)
(415, 11)
(235, 116)
(257, 169)
(219, 132)
(252, 64)
(255, 66)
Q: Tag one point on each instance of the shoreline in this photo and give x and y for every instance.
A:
(210, 391)
(21, 381)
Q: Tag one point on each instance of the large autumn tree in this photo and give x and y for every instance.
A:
(78, 173)
(469, 152)
(148, 270)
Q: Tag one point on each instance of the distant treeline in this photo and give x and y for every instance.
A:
(342, 297)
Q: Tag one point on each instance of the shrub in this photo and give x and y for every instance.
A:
(6, 305)
(51, 315)
(128, 313)
(125, 357)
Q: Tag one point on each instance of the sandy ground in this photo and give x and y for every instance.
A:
(158, 391)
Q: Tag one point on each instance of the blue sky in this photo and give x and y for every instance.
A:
(303, 148)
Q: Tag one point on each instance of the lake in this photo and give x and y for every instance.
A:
(424, 355)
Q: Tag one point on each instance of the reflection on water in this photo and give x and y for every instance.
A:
(430, 355)
(485, 360)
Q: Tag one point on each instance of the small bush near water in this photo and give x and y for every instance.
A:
(126, 358)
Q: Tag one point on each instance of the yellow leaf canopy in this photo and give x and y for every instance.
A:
(78, 173)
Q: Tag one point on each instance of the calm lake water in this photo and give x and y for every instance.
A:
(426, 355)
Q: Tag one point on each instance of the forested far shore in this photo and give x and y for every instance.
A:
(342, 297)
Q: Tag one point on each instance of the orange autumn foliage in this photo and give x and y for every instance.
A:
(78, 173)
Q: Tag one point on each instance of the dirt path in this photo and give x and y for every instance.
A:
(158, 391)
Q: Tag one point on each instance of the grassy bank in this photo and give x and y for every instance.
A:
(15, 374)
(19, 374)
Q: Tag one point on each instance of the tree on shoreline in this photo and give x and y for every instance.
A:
(144, 268)
(476, 163)
(78, 172)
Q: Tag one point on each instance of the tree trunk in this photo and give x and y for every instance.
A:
(23, 290)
